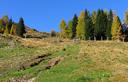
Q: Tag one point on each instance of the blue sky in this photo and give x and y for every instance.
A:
(45, 15)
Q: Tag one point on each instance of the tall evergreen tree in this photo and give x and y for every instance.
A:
(116, 28)
(97, 29)
(70, 28)
(20, 30)
(74, 25)
(81, 26)
(10, 25)
(105, 22)
(88, 26)
(125, 30)
(101, 25)
(94, 17)
(109, 24)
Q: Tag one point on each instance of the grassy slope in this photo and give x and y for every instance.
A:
(84, 62)
(90, 62)
(11, 59)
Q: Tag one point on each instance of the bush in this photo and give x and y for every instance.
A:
(53, 33)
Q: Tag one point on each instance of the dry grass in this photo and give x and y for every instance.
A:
(111, 56)
(91, 61)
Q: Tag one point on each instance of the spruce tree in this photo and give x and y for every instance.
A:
(88, 26)
(116, 28)
(125, 31)
(10, 25)
(109, 24)
(74, 25)
(20, 30)
(70, 28)
(101, 25)
(97, 28)
(93, 17)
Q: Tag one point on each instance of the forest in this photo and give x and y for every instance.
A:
(98, 25)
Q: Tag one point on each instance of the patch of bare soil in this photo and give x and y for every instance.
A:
(53, 62)
(33, 62)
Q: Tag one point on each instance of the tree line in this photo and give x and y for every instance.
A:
(97, 25)
(7, 26)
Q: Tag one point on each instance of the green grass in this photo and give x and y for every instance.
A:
(60, 73)
(67, 70)
(98, 62)
(95, 64)
(96, 75)
(11, 58)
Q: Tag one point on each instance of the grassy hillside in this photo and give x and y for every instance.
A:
(90, 62)
(52, 60)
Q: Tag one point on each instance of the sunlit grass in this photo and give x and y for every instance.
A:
(84, 62)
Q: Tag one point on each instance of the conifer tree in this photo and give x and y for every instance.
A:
(63, 27)
(6, 31)
(80, 29)
(116, 28)
(74, 25)
(13, 29)
(125, 30)
(93, 17)
(109, 24)
(70, 28)
(104, 24)
(20, 30)
(88, 26)
(101, 25)
(97, 29)
(10, 25)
